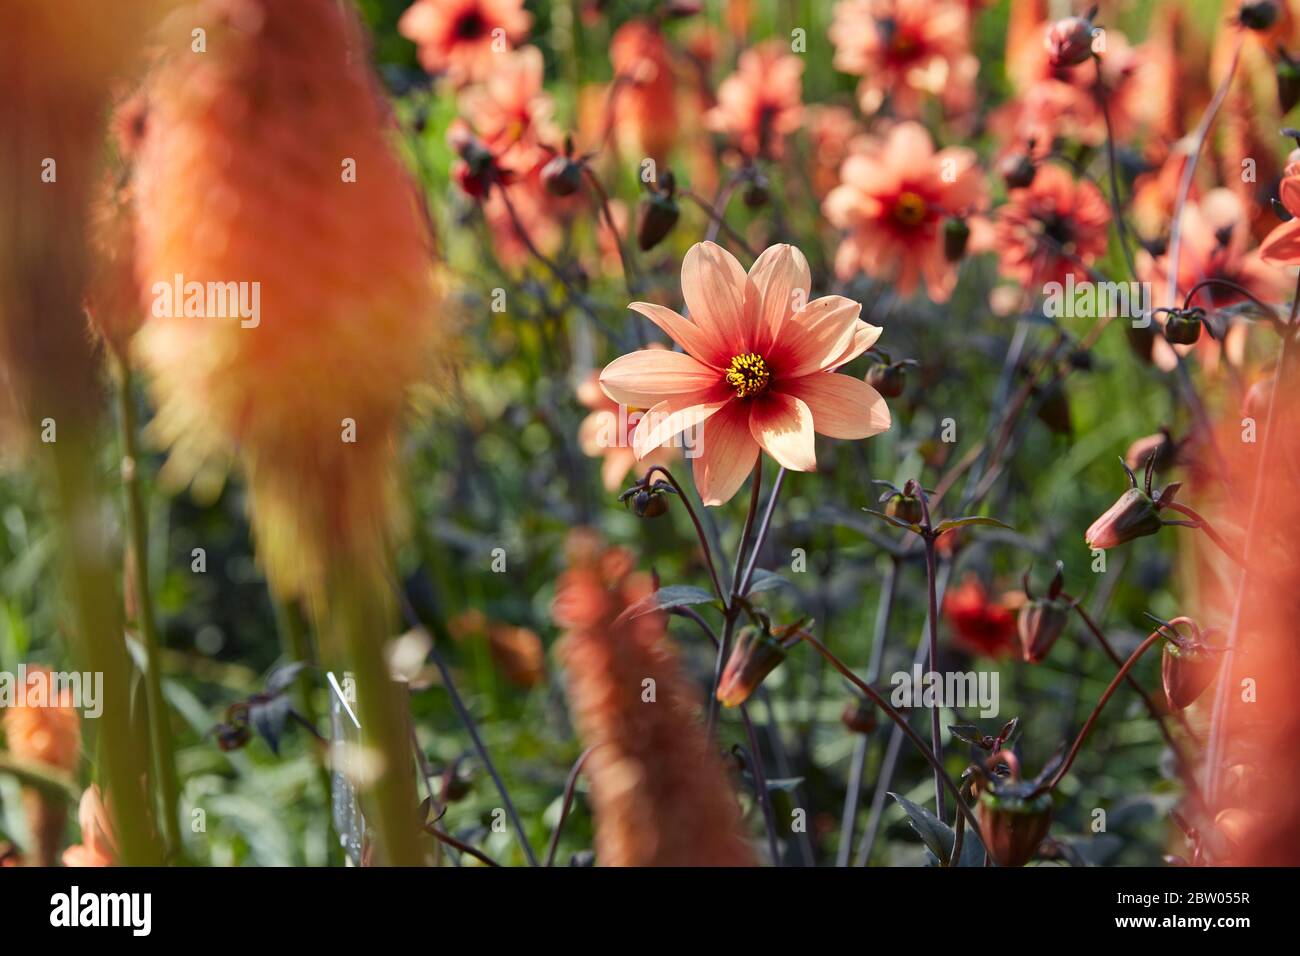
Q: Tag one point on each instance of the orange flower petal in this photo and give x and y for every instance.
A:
(864, 336)
(1282, 245)
(701, 343)
(713, 285)
(673, 416)
(811, 338)
(649, 376)
(781, 283)
(842, 406)
(783, 425)
(727, 455)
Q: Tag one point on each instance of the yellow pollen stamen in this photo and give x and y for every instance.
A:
(748, 374)
(910, 209)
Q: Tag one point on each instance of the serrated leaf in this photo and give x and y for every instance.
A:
(951, 523)
(665, 599)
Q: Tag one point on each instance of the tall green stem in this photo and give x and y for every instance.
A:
(160, 737)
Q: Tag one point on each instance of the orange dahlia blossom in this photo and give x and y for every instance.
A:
(1054, 227)
(757, 371)
(893, 199)
(760, 104)
(96, 846)
(607, 433)
(511, 112)
(1282, 246)
(905, 49)
(266, 164)
(463, 37)
(659, 794)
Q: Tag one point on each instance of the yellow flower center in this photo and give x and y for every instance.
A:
(748, 374)
(910, 209)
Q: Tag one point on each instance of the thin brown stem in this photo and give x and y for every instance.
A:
(570, 786)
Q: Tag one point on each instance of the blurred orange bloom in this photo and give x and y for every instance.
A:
(1282, 246)
(660, 796)
(1050, 229)
(904, 49)
(607, 434)
(463, 37)
(760, 104)
(831, 129)
(643, 99)
(96, 846)
(757, 370)
(49, 734)
(516, 651)
(510, 111)
(894, 197)
(979, 625)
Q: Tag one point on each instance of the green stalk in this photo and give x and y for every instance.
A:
(358, 617)
(160, 738)
(96, 637)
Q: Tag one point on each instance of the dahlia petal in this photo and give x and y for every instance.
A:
(695, 340)
(727, 455)
(842, 406)
(814, 336)
(1289, 190)
(909, 149)
(1282, 245)
(864, 336)
(671, 417)
(781, 282)
(783, 425)
(713, 285)
(649, 376)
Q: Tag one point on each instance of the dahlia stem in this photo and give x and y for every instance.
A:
(761, 792)
(570, 786)
(1199, 522)
(884, 611)
(931, 575)
(1239, 290)
(1096, 712)
(160, 737)
(726, 227)
(761, 537)
(699, 528)
(629, 278)
(1219, 714)
(732, 608)
(1117, 211)
(96, 634)
(358, 615)
(1189, 170)
(900, 721)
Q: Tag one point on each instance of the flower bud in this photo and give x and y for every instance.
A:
(1014, 826)
(562, 176)
(905, 508)
(955, 235)
(1054, 408)
(656, 215)
(1040, 623)
(1257, 14)
(859, 716)
(755, 655)
(1018, 171)
(888, 380)
(1161, 444)
(648, 504)
(1183, 327)
(1186, 670)
(1134, 515)
(1069, 41)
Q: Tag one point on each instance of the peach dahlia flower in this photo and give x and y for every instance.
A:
(459, 37)
(757, 370)
(761, 103)
(894, 196)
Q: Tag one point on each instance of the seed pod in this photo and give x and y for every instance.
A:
(562, 176)
(1040, 623)
(905, 508)
(1014, 826)
(1069, 41)
(656, 215)
(1183, 327)
(1134, 515)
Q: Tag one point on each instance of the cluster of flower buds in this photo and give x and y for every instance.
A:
(886, 377)
(648, 499)
(1135, 515)
(1069, 41)
(759, 650)
(657, 212)
(1041, 620)
(1189, 663)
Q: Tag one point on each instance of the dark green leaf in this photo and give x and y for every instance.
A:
(677, 595)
